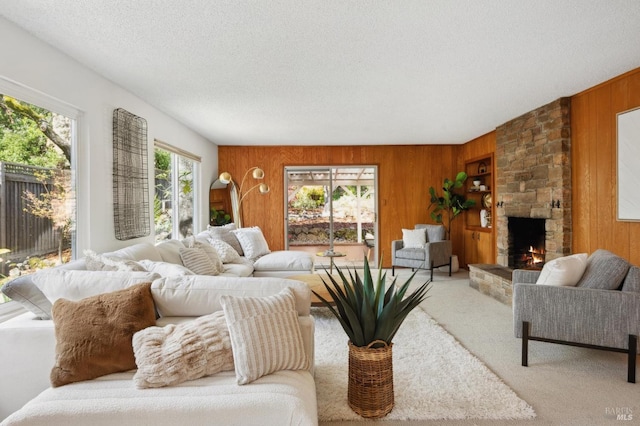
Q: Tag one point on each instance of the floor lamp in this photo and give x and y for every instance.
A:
(237, 196)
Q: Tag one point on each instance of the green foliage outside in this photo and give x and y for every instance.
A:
(35, 136)
(309, 198)
(22, 141)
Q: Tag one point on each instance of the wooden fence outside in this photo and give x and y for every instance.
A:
(20, 231)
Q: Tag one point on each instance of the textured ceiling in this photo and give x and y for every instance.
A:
(330, 72)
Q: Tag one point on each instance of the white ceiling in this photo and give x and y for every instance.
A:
(335, 72)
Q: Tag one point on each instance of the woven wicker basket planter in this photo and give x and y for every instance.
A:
(370, 391)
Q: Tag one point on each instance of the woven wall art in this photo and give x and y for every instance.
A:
(130, 176)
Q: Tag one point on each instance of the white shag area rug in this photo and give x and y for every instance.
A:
(434, 376)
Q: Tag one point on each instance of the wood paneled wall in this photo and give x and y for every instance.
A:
(405, 174)
(593, 151)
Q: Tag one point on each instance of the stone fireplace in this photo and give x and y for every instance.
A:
(533, 181)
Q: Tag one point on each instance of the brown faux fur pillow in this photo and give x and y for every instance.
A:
(93, 335)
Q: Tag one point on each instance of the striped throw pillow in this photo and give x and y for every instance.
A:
(265, 335)
(197, 261)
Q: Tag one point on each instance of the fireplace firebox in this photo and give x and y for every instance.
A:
(526, 243)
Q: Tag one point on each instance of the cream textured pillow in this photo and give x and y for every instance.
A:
(173, 354)
(265, 335)
(226, 253)
(414, 238)
(563, 271)
(197, 261)
(252, 241)
(225, 234)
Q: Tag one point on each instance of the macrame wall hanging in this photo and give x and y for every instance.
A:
(130, 176)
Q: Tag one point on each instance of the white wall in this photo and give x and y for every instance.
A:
(38, 66)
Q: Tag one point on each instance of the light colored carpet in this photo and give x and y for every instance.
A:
(434, 376)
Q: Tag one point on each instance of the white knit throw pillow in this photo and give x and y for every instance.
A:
(226, 253)
(252, 241)
(173, 354)
(265, 335)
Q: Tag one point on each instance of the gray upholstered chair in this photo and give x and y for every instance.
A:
(601, 312)
(434, 253)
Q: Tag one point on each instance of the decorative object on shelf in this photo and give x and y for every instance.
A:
(476, 183)
(450, 204)
(238, 196)
(482, 168)
(370, 317)
(483, 218)
(131, 215)
(486, 201)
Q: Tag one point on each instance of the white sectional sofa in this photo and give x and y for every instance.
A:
(28, 345)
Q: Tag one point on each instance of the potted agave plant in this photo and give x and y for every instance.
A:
(371, 315)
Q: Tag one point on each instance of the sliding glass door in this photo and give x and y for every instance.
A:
(332, 210)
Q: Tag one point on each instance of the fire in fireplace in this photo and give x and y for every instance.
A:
(526, 243)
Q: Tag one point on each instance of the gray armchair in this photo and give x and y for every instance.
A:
(435, 253)
(601, 312)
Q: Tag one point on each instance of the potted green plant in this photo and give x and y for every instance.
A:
(450, 204)
(219, 217)
(370, 315)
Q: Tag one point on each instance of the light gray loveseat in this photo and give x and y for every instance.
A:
(602, 311)
(436, 251)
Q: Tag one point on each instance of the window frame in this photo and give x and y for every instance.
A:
(27, 94)
(175, 160)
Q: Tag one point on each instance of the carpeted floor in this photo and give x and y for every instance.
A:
(434, 377)
(564, 385)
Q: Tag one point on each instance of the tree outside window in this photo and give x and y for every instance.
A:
(174, 204)
(36, 187)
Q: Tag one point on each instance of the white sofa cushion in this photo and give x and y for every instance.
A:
(241, 268)
(281, 260)
(265, 335)
(137, 252)
(75, 285)
(198, 295)
(165, 269)
(282, 398)
(170, 251)
(563, 271)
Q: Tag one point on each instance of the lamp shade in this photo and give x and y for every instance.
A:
(225, 177)
(264, 188)
(258, 173)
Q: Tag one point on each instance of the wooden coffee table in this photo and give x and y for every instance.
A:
(314, 281)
